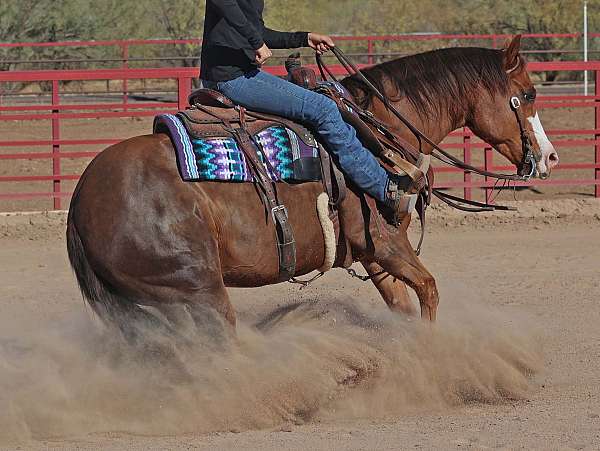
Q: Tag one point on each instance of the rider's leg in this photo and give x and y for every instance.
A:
(260, 91)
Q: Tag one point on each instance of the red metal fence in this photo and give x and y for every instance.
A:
(370, 45)
(56, 112)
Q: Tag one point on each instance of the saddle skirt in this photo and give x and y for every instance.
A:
(216, 140)
(205, 149)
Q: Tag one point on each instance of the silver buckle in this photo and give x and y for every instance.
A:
(530, 159)
(515, 103)
(277, 209)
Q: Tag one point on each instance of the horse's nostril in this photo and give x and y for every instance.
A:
(553, 160)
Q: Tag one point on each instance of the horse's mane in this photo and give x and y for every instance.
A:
(434, 82)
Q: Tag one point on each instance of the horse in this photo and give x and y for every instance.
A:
(140, 240)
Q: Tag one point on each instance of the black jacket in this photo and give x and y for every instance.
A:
(233, 31)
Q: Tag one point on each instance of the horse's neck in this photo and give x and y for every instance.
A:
(435, 128)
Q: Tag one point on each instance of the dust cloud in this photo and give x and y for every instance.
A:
(303, 362)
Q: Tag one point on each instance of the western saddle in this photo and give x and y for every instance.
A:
(212, 114)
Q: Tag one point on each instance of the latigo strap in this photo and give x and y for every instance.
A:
(286, 244)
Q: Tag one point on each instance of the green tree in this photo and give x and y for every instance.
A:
(57, 20)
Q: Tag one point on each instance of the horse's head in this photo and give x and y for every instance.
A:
(508, 118)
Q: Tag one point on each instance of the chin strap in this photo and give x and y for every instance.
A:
(529, 156)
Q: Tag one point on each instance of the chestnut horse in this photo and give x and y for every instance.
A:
(139, 237)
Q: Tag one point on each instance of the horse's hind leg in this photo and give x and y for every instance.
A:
(186, 286)
(392, 290)
(399, 259)
(212, 312)
(206, 317)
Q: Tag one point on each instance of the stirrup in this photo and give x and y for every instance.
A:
(402, 202)
(400, 208)
(419, 185)
(406, 204)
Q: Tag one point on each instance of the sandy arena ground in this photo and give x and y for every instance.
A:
(513, 363)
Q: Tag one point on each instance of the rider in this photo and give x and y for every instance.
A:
(235, 45)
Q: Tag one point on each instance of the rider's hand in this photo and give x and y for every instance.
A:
(263, 54)
(321, 43)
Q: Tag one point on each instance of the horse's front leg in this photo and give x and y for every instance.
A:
(393, 290)
(399, 259)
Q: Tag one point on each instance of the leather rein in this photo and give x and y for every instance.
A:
(529, 156)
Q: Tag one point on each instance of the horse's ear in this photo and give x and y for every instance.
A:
(512, 60)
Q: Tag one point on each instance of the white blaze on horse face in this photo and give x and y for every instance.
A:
(546, 147)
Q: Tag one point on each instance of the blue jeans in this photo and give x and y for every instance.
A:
(260, 91)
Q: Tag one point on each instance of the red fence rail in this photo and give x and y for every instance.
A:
(371, 43)
(56, 112)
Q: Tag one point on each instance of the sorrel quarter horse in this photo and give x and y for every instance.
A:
(139, 237)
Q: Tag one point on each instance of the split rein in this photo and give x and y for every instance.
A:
(440, 154)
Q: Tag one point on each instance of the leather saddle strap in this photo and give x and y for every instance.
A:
(221, 119)
(340, 184)
(390, 151)
(326, 175)
(286, 245)
(422, 203)
(333, 180)
(395, 159)
(242, 114)
(390, 138)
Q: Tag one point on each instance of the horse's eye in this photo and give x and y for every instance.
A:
(529, 96)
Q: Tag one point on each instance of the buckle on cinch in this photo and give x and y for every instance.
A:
(515, 103)
(530, 159)
(277, 209)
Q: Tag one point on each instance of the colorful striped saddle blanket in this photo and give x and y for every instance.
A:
(291, 158)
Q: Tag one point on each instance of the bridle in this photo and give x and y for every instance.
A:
(529, 155)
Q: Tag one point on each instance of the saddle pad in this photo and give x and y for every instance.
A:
(220, 159)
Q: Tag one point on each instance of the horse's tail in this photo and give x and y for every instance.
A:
(112, 308)
(97, 294)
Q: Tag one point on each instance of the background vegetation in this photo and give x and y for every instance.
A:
(59, 20)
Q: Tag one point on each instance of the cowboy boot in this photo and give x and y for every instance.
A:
(402, 193)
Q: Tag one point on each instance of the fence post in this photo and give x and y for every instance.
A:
(56, 145)
(467, 177)
(489, 166)
(125, 65)
(494, 41)
(370, 51)
(597, 135)
(184, 89)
